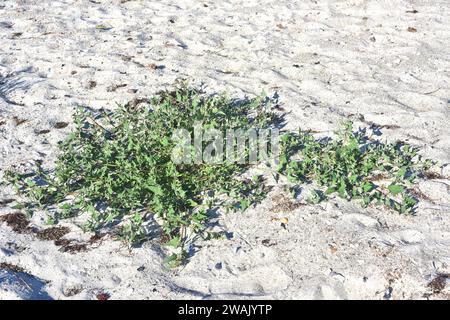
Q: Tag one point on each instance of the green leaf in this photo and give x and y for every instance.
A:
(367, 186)
(174, 242)
(165, 142)
(395, 189)
(172, 261)
(192, 203)
(244, 204)
(18, 206)
(156, 190)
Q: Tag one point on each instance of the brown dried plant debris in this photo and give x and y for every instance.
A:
(60, 125)
(379, 177)
(98, 237)
(44, 131)
(268, 243)
(18, 121)
(17, 221)
(53, 233)
(430, 175)
(164, 239)
(72, 291)
(284, 204)
(71, 246)
(11, 267)
(114, 87)
(439, 283)
(103, 296)
(420, 195)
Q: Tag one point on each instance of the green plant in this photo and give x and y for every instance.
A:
(353, 167)
(315, 197)
(117, 166)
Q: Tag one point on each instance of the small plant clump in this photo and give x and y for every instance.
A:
(117, 167)
(353, 167)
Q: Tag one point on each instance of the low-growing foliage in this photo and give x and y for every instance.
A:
(353, 167)
(117, 167)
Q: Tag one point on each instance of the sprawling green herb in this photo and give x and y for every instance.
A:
(354, 167)
(117, 167)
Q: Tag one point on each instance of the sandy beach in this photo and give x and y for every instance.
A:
(383, 63)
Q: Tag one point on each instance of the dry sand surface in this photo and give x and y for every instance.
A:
(385, 62)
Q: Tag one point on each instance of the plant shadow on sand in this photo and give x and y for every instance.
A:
(21, 283)
(11, 82)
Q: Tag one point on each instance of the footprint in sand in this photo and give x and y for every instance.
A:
(360, 220)
(261, 280)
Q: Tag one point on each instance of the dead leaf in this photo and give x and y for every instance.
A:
(91, 84)
(102, 296)
(52, 233)
(45, 131)
(18, 121)
(283, 220)
(60, 125)
(114, 87)
(103, 27)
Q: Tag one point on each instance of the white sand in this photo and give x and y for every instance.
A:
(328, 61)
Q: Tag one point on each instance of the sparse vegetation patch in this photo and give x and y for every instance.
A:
(117, 168)
(353, 166)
